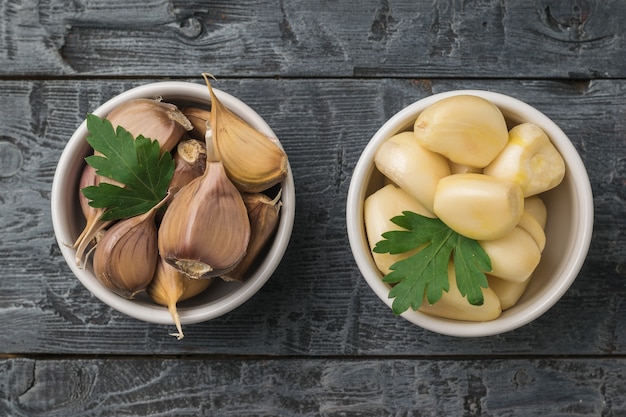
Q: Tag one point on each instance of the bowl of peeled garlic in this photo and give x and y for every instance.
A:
(469, 213)
(173, 203)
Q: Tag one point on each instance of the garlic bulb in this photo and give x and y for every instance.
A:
(126, 258)
(169, 286)
(205, 230)
(264, 215)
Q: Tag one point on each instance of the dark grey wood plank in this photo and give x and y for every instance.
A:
(316, 303)
(390, 38)
(312, 387)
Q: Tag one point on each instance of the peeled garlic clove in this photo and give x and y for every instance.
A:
(413, 168)
(534, 229)
(169, 286)
(126, 258)
(453, 305)
(478, 206)
(379, 208)
(508, 292)
(152, 119)
(514, 256)
(468, 130)
(463, 169)
(252, 160)
(529, 160)
(205, 230)
(264, 215)
(537, 208)
(190, 162)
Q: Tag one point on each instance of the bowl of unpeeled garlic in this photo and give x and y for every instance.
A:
(469, 213)
(173, 203)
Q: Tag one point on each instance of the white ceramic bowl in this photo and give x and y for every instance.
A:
(68, 220)
(568, 229)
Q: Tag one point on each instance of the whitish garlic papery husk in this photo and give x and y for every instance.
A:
(205, 230)
(126, 258)
(86, 239)
(264, 213)
(170, 286)
(153, 119)
(253, 161)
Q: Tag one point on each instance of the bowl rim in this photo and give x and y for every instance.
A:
(361, 252)
(174, 90)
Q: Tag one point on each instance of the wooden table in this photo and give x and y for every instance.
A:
(315, 340)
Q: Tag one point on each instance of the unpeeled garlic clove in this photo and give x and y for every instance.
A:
(169, 286)
(190, 162)
(264, 214)
(126, 258)
(94, 225)
(252, 160)
(199, 119)
(152, 119)
(205, 230)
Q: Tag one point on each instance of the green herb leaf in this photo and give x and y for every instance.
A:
(425, 273)
(138, 164)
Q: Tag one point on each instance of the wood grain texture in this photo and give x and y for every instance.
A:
(312, 387)
(300, 38)
(316, 303)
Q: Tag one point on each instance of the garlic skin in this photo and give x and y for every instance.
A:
(169, 286)
(468, 130)
(252, 160)
(153, 119)
(126, 258)
(264, 214)
(205, 230)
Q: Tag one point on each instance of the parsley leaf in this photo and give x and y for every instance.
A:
(425, 273)
(137, 163)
